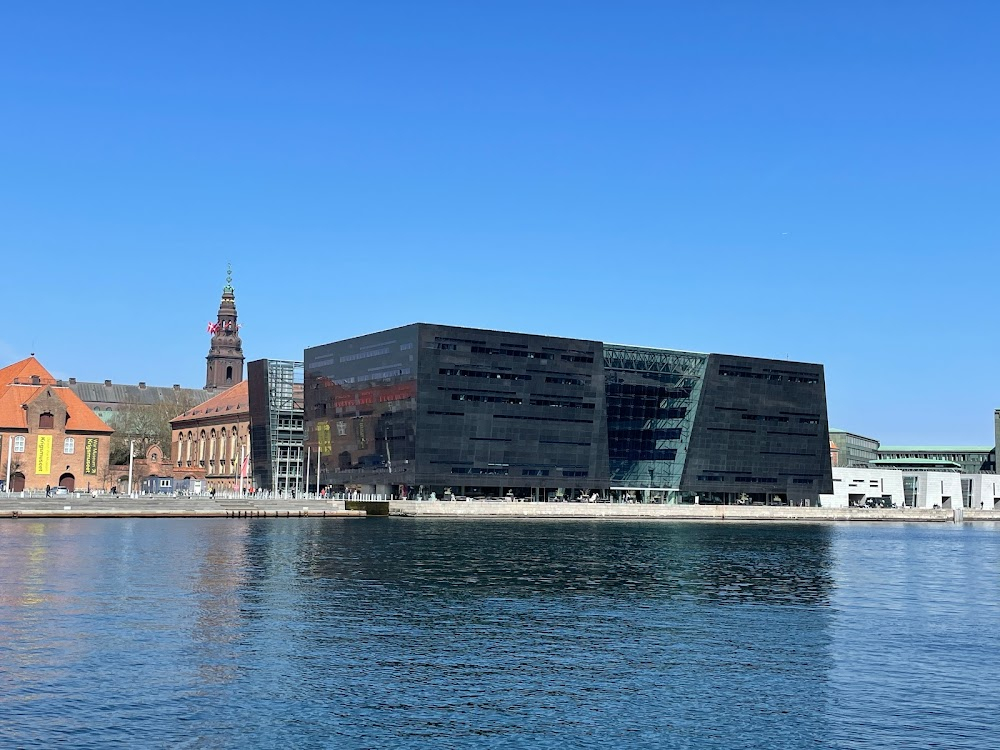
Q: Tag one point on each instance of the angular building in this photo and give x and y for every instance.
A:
(454, 411)
(275, 397)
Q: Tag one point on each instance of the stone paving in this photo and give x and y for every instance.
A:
(36, 505)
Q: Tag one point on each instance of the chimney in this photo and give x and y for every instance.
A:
(107, 383)
(72, 381)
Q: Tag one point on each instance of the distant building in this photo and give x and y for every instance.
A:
(108, 399)
(853, 449)
(973, 459)
(153, 462)
(50, 437)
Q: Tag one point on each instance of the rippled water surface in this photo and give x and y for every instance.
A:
(415, 633)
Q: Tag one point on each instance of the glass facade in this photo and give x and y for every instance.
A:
(652, 401)
(276, 425)
(360, 400)
(854, 450)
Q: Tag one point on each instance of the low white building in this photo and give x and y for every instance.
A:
(913, 488)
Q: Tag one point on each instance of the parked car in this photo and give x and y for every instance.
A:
(60, 491)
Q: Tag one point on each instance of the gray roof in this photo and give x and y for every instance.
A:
(147, 395)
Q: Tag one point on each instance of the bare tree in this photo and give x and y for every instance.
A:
(147, 425)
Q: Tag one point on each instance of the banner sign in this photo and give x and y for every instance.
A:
(43, 455)
(90, 456)
(323, 437)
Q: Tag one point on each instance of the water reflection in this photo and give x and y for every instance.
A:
(421, 633)
(456, 557)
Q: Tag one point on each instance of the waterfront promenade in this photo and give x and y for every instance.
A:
(474, 508)
(85, 505)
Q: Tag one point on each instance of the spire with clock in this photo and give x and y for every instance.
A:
(225, 355)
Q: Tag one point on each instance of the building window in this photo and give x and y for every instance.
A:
(45, 421)
(229, 374)
(69, 446)
(19, 444)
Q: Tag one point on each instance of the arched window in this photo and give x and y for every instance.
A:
(45, 421)
(69, 446)
(229, 374)
(19, 444)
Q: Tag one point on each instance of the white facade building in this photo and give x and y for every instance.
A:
(912, 488)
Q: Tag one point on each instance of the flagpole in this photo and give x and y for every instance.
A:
(131, 451)
(239, 481)
(319, 459)
(308, 461)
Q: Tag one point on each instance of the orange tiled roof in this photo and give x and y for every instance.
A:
(81, 418)
(12, 416)
(22, 372)
(231, 402)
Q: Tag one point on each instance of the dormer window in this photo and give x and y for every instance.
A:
(45, 421)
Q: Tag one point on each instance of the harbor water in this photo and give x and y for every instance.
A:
(429, 633)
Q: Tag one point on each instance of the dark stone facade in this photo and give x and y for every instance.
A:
(761, 430)
(478, 411)
(490, 412)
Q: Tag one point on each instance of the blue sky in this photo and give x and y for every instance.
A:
(780, 179)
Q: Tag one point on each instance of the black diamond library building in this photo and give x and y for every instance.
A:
(447, 412)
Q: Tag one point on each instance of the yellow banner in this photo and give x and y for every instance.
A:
(90, 456)
(43, 455)
(323, 437)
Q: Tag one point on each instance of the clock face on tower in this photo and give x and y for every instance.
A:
(225, 354)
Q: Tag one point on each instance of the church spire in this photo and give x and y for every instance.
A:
(225, 355)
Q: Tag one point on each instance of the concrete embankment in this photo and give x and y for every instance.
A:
(472, 509)
(155, 506)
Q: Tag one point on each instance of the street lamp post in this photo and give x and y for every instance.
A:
(650, 498)
(131, 452)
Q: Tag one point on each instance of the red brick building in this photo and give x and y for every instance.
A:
(210, 440)
(50, 437)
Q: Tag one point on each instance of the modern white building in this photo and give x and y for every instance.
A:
(912, 488)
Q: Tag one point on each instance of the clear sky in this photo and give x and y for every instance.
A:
(780, 179)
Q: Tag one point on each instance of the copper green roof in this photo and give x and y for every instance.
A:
(913, 462)
(935, 449)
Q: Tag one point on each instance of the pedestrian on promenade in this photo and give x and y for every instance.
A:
(48, 491)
